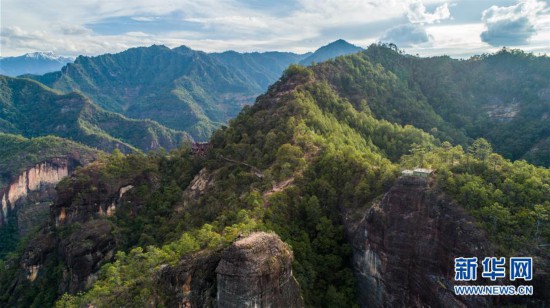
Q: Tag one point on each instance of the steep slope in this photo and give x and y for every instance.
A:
(180, 88)
(37, 63)
(306, 163)
(261, 69)
(30, 109)
(331, 51)
(502, 97)
(30, 168)
(404, 248)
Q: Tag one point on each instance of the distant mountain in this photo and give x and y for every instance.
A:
(330, 51)
(503, 97)
(180, 88)
(32, 63)
(30, 109)
(316, 160)
(262, 68)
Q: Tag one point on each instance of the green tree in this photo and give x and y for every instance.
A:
(480, 149)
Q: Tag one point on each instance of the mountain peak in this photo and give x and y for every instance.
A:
(33, 63)
(340, 42)
(335, 49)
(42, 54)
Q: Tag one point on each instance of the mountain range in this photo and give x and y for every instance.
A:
(315, 163)
(180, 88)
(32, 63)
(342, 178)
(30, 109)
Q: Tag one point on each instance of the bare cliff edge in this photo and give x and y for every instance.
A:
(404, 248)
(29, 194)
(255, 271)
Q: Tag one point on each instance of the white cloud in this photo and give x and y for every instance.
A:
(74, 30)
(406, 35)
(144, 18)
(417, 13)
(512, 25)
(137, 34)
(67, 27)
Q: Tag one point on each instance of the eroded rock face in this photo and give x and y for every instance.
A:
(255, 271)
(36, 185)
(404, 248)
(69, 209)
(84, 252)
(78, 239)
(192, 283)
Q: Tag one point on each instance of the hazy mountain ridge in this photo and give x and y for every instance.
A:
(32, 63)
(330, 51)
(30, 109)
(180, 88)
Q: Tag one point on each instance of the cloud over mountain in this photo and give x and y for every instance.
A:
(406, 35)
(511, 25)
(417, 13)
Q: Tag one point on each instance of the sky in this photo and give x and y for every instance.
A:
(459, 28)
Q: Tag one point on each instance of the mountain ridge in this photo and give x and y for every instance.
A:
(317, 160)
(73, 116)
(32, 63)
(180, 88)
(330, 51)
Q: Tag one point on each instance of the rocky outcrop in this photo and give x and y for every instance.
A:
(255, 271)
(84, 252)
(192, 283)
(405, 246)
(69, 209)
(34, 186)
(202, 181)
(78, 239)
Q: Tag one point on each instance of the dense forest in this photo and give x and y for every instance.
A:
(30, 109)
(503, 97)
(320, 147)
(315, 153)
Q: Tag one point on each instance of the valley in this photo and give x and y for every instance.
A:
(297, 199)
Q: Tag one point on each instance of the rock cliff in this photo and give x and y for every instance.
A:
(404, 248)
(78, 239)
(29, 195)
(255, 271)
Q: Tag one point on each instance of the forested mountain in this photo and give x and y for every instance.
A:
(502, 97)
(30, 109)
(316, 161)
(180, 88)
(32, 63)
(262, 68)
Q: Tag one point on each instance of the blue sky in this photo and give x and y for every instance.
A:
(459, 28)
